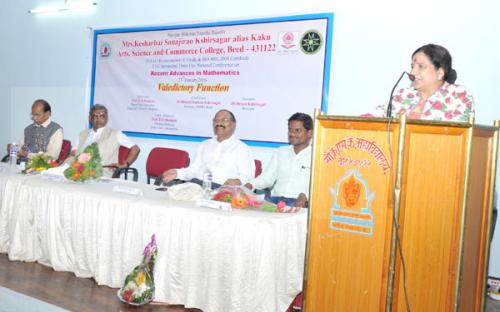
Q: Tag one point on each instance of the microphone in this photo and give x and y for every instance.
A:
(389, 106)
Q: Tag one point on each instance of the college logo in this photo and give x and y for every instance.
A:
(289, 40)
(311, 42)
(105, 49)
(350, 210)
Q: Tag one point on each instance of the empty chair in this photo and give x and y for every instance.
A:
(122, 157)
(161, 159)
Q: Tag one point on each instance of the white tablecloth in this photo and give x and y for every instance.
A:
(209, 259)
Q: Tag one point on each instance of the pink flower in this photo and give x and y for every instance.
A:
(281, 206)
(398, 98)
(448, 115)
(437, 105)
(463, 97)
(84, 157)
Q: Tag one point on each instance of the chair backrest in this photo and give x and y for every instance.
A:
(122, 157)
(258, 167)
(163, 158)
(65, 150)
(123, 154)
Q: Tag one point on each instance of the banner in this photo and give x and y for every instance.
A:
(170, 81)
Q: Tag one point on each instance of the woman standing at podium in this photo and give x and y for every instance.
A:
(433, 94)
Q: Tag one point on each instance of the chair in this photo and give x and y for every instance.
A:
(161, 159)
(65, 150)
(258, 167)
(122, 157)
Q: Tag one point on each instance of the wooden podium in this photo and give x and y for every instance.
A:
(400, 215)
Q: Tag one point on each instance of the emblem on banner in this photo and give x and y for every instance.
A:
(350, 210)
(105, 49)
(311, 42)
(289, 41)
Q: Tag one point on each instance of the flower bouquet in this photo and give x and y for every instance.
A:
(139, 285)
(240, 197)
(87, 165)
(39, 162)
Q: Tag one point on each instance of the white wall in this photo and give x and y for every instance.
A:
(48, 56)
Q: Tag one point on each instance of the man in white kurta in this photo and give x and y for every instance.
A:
(108, 140)
(224, 155)
(289, 171)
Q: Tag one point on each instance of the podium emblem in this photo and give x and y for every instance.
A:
(350, 210)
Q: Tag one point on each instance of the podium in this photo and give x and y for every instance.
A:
(399, 215)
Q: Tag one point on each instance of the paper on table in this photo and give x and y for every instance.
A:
(56, 173)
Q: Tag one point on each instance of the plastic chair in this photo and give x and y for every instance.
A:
(258, 167)
(122, 157)
(161, 159)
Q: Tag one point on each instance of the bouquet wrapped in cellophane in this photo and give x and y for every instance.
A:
(240, 198)
(39, 162)
(87, 165)
(139, 285)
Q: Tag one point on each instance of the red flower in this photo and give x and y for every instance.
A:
(127, 295)
(81, 168)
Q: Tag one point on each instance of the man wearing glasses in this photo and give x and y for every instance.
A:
(224, 155)
(108, 140)
(43, 135)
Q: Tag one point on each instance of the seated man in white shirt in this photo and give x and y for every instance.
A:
(224, 156)
(108, 140)
(43, 135)
(288, 172)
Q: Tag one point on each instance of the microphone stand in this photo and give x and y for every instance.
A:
(389, 107)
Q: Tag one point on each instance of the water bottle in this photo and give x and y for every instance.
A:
(207, 181)
(13, 155)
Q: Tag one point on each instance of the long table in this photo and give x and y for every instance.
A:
(243, 260)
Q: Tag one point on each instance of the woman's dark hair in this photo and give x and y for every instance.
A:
(440, 58)
(306, 120)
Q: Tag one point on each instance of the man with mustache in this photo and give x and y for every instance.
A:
(224, 155)
(109, 141)
(288, 172)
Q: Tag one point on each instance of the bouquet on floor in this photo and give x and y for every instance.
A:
(139, 285)
(240, 198)
(87, 165)
(39, 162)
